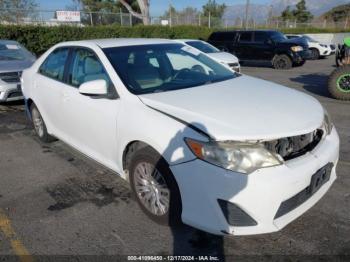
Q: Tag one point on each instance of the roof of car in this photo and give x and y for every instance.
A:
(117, 42)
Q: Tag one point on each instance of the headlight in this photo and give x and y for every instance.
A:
(327, 123)
(297, 48)
(236, 156)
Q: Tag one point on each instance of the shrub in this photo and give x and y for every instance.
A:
(40, 38)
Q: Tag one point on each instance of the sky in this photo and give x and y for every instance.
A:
(157, 6)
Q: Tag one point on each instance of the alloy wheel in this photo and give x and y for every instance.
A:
(151, 189)
(38, 122)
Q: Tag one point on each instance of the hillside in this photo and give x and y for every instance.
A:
(339, 13)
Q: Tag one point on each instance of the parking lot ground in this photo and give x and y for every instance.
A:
(54, 201)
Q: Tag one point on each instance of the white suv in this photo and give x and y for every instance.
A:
(220, 151)
(317, 49)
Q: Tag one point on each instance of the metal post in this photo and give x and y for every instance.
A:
(121, 16)
(91, 21)
(200, 20)
(346, 22)
(130, 17)
(209, 21)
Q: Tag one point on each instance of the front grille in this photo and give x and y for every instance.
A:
(321, 177)
(292, 147)
(11, 77)
(15, 94)
(332, 47)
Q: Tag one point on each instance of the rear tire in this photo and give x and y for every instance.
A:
(155, 187)
(40, 126)
(315, 54)
(339, 83)
(282, 62)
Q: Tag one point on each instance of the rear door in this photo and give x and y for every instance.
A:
(49, 85)
(245, 47)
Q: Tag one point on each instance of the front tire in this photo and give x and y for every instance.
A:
(39, 125)
(315, 54)
(155, 187)
(282, 62)
(339, 83)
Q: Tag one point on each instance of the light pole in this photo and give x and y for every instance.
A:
(246, 13)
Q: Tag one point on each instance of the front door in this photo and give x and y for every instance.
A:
(90, 121)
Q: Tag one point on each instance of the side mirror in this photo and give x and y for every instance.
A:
(94, 88)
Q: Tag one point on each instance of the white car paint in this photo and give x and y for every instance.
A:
(225, 58)
(243, 108)
(323, 49)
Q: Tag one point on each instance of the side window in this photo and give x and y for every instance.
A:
(260, 37)
(54, 64)
(86, 67)
(245, 37)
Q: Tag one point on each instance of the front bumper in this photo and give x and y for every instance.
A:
(258, 195)
(10, 92)
(327, 51)
(298, 57)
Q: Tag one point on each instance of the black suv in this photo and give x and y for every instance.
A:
(263, 45)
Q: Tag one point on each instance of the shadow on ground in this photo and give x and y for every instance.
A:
(314, 83)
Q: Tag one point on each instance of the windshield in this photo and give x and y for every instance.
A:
(13, 51)
(164, 67)
(278, 36)
(203, 47)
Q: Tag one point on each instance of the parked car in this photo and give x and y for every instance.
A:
(222, 152)
(14, 58)
(222, 57)
(262, 45)
(317, 49)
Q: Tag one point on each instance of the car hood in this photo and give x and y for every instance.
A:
(15, 66)
(243, 108)
(295, 41)
(224, 57)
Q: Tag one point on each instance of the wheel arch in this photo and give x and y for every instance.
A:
(131, 148)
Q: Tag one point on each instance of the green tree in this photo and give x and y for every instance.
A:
(301, 13)
(287, 14)
(214, 9)
(16, 11)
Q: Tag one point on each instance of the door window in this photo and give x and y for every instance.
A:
(86, 67)
(54, 64)
(260, 37)
(245, 37)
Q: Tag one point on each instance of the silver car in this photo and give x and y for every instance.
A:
(14, 58)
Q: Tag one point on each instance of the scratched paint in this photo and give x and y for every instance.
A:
(16, 244)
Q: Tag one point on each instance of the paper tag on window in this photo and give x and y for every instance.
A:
(12, 47)
(191, 50)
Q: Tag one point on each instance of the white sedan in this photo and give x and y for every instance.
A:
(224, 58)
(199, 143)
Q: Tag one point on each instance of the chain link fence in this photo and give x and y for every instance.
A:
(86, 18)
